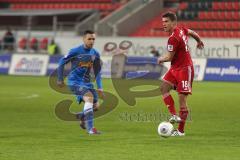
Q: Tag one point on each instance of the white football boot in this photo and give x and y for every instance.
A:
(177, 133)
(174, 119)
(93, 131)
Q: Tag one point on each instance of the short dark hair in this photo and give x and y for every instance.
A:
(171, 15)
(88, 32)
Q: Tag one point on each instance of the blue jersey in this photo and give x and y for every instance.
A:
(83, 61)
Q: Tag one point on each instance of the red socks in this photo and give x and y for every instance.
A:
(183, 113)
(168, 100)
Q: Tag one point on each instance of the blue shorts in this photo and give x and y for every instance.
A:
(80, 91)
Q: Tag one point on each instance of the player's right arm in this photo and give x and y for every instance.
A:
(166, 57)
(61, 65)
(194, 34)
(171, 49)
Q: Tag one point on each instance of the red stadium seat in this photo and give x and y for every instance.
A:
(236, 6)
(215, 6)
(22, 44)
(236, 15)
(34, 44)
(219, 25)
(212, 24)
(206, 25)
(228, 5)
(222, 15)
(222, 20)
(195, 25)
(230, 15)
(183, 6)
(221, 5)
(203, 15)
(236, 25)
(44, 43)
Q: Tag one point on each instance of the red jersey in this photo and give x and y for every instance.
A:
(178, 43)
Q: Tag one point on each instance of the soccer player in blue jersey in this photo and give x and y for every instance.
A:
(84, 59)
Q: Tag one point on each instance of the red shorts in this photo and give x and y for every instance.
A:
(180, 78)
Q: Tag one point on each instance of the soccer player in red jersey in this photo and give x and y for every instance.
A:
(181, 73)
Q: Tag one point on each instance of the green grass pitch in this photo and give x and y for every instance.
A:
(30, 130)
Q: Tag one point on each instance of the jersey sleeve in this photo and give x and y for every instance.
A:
(185, 31)
(97, 70)
(63, 61)
(172, 44)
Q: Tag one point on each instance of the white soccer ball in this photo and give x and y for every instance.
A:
(165, 129)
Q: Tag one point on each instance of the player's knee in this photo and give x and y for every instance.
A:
(183, 100)
(96, 107)
(163, 89)
(183, 103)
(88, 97)
(183, 107)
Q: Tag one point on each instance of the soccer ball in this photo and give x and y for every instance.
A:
(165, 129)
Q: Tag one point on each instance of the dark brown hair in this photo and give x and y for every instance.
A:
(88, 32)
(171, 15)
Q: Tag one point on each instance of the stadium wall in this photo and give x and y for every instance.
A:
(132, 67)
(214, 47)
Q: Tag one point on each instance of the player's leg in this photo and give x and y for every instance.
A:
(81, 116)
(79, 91)
(95, 107)
(167, 85)
(183, 112)
(90, 97)
(88, 110)
(184, 88)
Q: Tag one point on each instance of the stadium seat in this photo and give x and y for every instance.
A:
(228, 5)
(236, 15)
(236, 6)
(202, 15)
(104, 6)
(34, 43)
(22, 44)
(214, 19)
(43, 43)
(183, 5)
(57, 1)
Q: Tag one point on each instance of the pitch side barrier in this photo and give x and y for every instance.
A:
(222, 70)
(122, 67)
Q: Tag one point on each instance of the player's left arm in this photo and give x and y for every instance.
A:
(97, 66)
(200, 44)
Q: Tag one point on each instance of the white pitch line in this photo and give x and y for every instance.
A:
(30, 96)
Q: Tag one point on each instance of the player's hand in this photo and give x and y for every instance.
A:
(200, 45)
(101, 93)
(160, 60)
(60, 84)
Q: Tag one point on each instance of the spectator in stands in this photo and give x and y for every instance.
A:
(154, 51)
(53, 48)
(8, 40)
